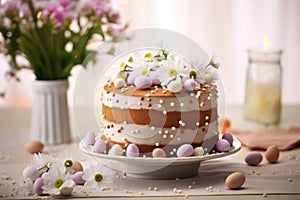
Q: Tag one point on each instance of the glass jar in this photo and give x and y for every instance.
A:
(263, 87)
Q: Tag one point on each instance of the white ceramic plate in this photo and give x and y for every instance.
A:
(157, 168)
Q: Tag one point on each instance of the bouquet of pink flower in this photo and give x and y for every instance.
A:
(53, 35)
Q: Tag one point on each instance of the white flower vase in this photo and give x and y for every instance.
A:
(50, 116)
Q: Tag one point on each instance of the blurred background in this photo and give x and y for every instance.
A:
(223, 28)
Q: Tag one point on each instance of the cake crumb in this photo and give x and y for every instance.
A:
(265, 195)
(190, 187)
(141, 193)
(149, 188)
(290, 180)
(155, 189)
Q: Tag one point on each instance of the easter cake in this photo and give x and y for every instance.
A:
(156, 99)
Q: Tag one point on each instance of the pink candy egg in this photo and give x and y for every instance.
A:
(132, 151)
(142, 82)
(90, 138)
(77, 178)
(189, 84)
(253, 158)
(99, 146)
(132, 76)
(222, 145)
(185, 150)
(158, 153)
(154, 76)
(37, 186)
(228, 137)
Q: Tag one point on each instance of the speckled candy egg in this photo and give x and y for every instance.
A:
(119, 82)
(34, 146)
(99, 146)
(189, 84)
(132, 151)
(142, 82)
(253, 158)
(158, 153)
(37, 186)
(208, 78)
(175, 86)
(228, 137)
(235, 180)
(185, 150)
(90, 138)
(31, 173)
(77, 178)
(115, 150)
(272, 154)
(222, 145)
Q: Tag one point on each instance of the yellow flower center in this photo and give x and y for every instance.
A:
(172, 72)
(145, 72)
(193, 74)
(122, 65)
(58, 182)
(148, 55)
(130, 59)
(98, 177)
(68, 163)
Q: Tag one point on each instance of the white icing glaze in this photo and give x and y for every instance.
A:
(150, 135)
(169, 104)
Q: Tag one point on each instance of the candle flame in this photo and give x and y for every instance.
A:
(266, 42)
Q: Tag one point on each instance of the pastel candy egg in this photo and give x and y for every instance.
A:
(31, 173)
(119, 75)
(154, 76)
(76, 167)
(119, 82)
(253, 158)
(131, 77)
(189, 84)
(99, 146)
(235, 180)
(198, 151)
(66, 191)
(34, 146)
(142, 82)
(208, 78)
(37, 186)
(132, 151)
(185, 150)
(90, 138)
(115, 150)
(222, 145)
(158, 153)
(228, 137)
(175, 86)
(77, 178)
(272, 154)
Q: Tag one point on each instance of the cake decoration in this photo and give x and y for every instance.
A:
(155, 98)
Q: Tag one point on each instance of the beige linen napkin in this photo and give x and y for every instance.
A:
(284, 138)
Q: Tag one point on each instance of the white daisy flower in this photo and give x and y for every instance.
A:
(43, 161)
(57, 179)
(98, 176)
(176, 71)
(67, 160)
(25, 187)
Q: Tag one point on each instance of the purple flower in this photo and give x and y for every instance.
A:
(52, 7)
(65, 3)
(113, 17)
